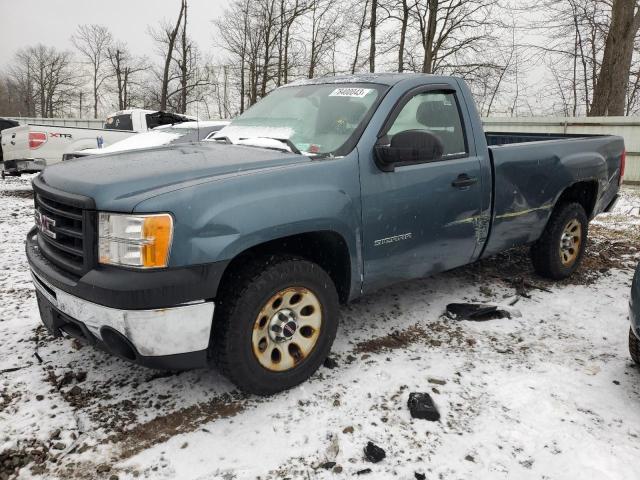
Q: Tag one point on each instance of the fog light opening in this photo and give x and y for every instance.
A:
(118, 343)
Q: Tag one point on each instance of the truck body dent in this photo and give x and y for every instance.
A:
(214, 224)
(530, 178)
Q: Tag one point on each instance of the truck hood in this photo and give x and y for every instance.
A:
(120, 181)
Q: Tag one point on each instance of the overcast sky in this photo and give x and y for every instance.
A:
(51, 22)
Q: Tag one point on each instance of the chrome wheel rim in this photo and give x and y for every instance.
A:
(287, 329)
(570, 242)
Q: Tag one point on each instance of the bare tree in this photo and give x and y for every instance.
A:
(449, 29)
(93, 41)
(189, 77)
(268, 42)
(325, 31)
(165, 36)
(360, 30)
(10, 99)
(125, 69)
(44, 79)
(404, 23)
(373, 25)
(234, 28)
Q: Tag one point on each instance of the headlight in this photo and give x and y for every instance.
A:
(141, 241)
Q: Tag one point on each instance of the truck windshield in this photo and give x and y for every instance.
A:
(316, 119)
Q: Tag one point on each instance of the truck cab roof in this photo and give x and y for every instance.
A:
(388, 79)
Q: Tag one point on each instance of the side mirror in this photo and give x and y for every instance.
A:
(408, 148)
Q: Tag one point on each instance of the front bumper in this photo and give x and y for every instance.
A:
(145, 317)
(172, 338)
(16, 167)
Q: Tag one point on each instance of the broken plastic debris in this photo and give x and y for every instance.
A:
(480, 312)
(421, 406)
(374, 453)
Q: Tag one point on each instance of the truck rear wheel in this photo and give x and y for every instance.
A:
(274, 324)
(634, 347)
(558, 252)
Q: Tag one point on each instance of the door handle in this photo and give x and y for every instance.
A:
(464, 181)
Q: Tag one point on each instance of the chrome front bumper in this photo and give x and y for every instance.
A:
(158, 332)
(20, 166)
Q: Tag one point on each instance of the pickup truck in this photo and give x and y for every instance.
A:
(237, 252)
(6, 123)
(29, 148)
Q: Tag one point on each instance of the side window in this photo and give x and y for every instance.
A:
(436, 112)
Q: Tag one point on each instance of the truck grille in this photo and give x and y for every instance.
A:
(66, 232)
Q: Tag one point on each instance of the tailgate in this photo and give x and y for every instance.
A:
(15, 143)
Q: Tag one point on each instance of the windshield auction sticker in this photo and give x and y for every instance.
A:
(350, 92)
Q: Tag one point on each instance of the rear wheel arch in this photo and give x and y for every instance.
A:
(584, 192)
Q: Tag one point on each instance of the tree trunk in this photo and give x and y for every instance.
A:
(95, 94)
(119, 80)
(280, 44)
(575, 69)
(359, 39)
(124, 95)
(183, 69)
(372, 30)
(403, 35)
(611, 87)
(243, 54)
(43, 100)
(167, 60)
(430, 34)
(267, 51)
(285, 66)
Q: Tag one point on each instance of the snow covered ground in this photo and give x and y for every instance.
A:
(552, 394)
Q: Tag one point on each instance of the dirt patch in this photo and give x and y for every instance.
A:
(7, 398)
(26, 193)
(607, 249)
(434, 334)
(185, 420)
(34, 453)
(611, 249)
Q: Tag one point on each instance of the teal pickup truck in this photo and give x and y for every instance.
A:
(237, 252)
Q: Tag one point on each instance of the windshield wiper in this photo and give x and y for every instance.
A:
(290, 147)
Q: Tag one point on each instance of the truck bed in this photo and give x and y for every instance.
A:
(531, 170)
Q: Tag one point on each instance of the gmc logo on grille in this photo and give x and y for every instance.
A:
(45, 224)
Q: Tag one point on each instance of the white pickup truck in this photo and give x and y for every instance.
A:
(30, 148)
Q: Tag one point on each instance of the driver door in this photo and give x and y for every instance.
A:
(422, 218)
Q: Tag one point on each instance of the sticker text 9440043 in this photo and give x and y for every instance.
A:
(350, 92)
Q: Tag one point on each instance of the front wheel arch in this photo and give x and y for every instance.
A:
(326, 248)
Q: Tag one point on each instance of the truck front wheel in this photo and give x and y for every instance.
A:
(558, 252)
(275, 321)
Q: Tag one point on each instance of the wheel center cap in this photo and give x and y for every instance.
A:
(283, 326)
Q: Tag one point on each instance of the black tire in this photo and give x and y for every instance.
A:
(243, 297)
(546, 252)
(634, 347)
